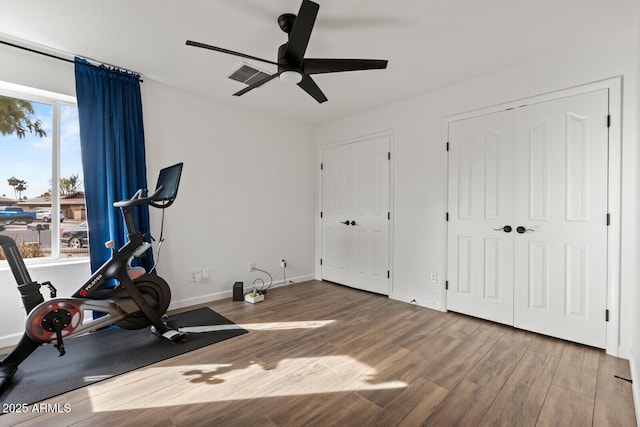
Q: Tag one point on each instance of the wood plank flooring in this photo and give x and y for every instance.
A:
(321, 354)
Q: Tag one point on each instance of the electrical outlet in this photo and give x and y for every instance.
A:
(434, 277)
(283, 263)
(252, 265)
(206, 273)
(195, 275)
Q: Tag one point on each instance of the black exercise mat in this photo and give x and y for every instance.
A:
(107, 353)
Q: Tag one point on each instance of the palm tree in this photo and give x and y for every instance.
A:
(22, 186)
(16, 117)
(69, 185)
(19, 185)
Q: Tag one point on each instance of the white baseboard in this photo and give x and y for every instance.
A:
(624, 352)
(10, 340)
(417, 301)
(203, 299)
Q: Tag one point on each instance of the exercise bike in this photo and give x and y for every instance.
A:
(139, 300)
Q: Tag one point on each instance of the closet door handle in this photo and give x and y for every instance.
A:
(345, 222)
(521, 230)
(353, 223)
(506, 229)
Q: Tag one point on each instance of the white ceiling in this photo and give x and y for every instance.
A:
(429, 43)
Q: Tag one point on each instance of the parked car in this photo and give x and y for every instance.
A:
(11, 214)
(44, 215)
(77, 236)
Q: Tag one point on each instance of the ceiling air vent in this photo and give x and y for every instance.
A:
(248, 75)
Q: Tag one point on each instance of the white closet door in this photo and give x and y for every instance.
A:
(561, 150)
(480, 251)
(336, 210)
(541, 169)
(355, 223)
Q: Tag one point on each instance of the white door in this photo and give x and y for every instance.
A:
(480, 251)
(548, 182)
(336, 209)
(355, 215)
(561, 148)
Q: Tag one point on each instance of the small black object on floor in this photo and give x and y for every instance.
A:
(105, 354)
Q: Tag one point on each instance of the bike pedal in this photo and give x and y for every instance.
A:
(175, 336)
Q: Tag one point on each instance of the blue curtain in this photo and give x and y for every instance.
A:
(113, 154)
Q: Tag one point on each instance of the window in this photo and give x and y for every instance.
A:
(42, 203)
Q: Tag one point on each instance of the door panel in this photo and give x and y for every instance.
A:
(371, 214)
(538, 182)
(538, 277)
(567, 182)
(335, 210)
(493, 260)
(480, 271)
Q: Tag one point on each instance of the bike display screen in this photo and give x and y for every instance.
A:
(169, 178)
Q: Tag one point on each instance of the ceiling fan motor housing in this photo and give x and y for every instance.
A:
(289, 73)
(283, 62)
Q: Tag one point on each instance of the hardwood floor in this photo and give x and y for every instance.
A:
(323, 354)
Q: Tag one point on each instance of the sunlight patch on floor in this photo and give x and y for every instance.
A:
(192, 384)
(267, 326)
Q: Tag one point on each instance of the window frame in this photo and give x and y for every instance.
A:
(56, 100)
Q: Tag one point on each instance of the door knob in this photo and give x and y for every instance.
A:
(521, 230)
(353, 223)
(506, 229)
(345, 222)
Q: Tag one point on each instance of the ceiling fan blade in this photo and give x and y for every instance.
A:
(328, 65)
(230, 52)
(312, 89)
(301, 32)
(256, 84)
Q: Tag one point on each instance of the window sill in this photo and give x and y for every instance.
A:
(35, 263)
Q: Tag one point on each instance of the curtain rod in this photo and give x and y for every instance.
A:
(35, 51)
(55, 56)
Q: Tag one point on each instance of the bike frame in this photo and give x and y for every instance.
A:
(116, 266)
(124, 303)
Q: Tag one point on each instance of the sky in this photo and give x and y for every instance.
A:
(29, 158)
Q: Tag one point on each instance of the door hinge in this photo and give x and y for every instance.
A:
(389, 216)
(447, 216)
(321, 166)
(320, 214)
(608, 120)
(320, 261)
(446, 285)
(388, 274)
(608, 219)
(447, 145)
(606, 315)
(389, 155)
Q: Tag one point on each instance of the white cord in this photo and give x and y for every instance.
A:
(270, 278)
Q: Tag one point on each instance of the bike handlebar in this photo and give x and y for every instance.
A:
(139, 198)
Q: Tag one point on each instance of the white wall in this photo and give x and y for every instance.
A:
(635, 343)
(36, 71)
(419, 246)
(247, 191)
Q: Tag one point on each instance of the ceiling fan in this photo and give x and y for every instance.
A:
(293, 67)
